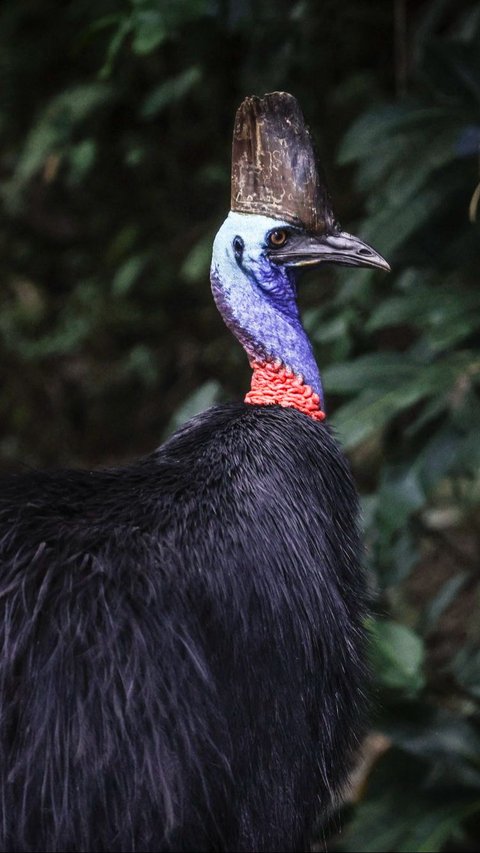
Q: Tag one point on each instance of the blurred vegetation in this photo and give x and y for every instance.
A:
(115, 128)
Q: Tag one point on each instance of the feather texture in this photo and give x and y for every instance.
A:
(181, 642)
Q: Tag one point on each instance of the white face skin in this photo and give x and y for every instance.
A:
(253, 229)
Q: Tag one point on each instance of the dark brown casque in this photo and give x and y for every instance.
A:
(274, 167)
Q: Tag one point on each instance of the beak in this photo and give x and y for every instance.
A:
(339, 247)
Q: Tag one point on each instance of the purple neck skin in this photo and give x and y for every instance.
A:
(257, 299)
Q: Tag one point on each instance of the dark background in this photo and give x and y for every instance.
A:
(115, 133)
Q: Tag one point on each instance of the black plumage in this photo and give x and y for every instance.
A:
(182, 642)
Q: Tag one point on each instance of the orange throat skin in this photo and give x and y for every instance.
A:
(274, 383)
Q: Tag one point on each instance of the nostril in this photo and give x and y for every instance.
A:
(364, 252)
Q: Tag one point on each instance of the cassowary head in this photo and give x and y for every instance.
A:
(280, 222)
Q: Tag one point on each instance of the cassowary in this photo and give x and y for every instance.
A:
(181, 639)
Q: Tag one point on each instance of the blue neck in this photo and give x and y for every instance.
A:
(257, 299)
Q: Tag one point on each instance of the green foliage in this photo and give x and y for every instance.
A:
(410, 412)
(116, 120)
(397, 657)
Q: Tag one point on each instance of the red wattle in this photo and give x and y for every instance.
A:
(271, 383)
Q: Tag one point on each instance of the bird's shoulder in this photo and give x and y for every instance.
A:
(233, 458)
(251, 437)
(240, 460)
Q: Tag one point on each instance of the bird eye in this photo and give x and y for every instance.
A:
(277, 238)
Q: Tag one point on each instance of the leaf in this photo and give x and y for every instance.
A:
(432, 733)
(430, 411)
(416, 827)
(402, 812)
(154, 23)
(54, 128)
(446, 314)
(437, 606)
(439, 455)
(202, 398)
(124, 29)
(398, 656)
(363, 133)
(466, 668)
(196, 265)
(406, 824)
(150, 30)
(375, 406)
(391, 226)
(399, 496)
(127, 275)
(403, 557)
(81, 158)
(170, 91)
(386, 369)
(456, 68)
(142, 363)
(371, 410)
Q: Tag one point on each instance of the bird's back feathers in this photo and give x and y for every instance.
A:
(177, 633)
